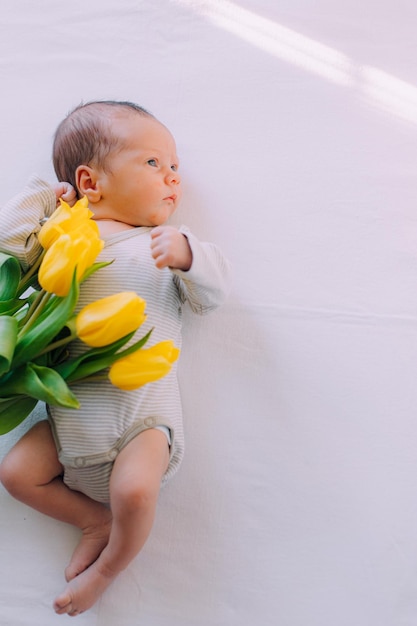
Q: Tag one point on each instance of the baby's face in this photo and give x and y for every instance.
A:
(141, 185)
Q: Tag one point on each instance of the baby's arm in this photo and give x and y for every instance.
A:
(201, 272)
(21, 217)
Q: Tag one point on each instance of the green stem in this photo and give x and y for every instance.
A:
(57, 344)
(35, 310)
(89, 379)
(32, 307)
(26, 279)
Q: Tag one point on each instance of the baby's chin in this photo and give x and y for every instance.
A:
(162, 217)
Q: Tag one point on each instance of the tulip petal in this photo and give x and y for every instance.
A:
(143, 366)
(64, 219)
(57, 268)
(65, 254)
(108, 319)
(129, 376)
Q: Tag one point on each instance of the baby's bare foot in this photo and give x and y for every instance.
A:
(83, 591)
(93, 541)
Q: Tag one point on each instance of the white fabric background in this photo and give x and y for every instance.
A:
(296, 123)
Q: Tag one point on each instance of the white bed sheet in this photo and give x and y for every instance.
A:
(296, 123)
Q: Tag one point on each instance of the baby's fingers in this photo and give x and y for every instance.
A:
(65, 191)
(69, 194)
(159, 257)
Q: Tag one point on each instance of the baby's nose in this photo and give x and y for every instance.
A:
(174, 178)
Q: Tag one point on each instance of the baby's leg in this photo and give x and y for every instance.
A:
(134, 489)
(32, 473)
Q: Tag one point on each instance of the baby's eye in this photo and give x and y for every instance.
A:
(152, 162)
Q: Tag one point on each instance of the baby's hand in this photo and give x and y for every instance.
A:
(66, 192)
(170, 248)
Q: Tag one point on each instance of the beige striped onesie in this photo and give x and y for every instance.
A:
(90, 438)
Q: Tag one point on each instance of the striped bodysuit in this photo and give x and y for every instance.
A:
(90, 438)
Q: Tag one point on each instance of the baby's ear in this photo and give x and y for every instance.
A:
(86, 181)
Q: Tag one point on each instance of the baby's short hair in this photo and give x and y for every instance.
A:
(85, 136)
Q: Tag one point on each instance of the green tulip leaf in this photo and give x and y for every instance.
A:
(8, 337)
(41, 383)
(98, 359)
(13, 411)
(68, 368)
(43, 331)
(93, 268)
(9, 276)
(9, 307)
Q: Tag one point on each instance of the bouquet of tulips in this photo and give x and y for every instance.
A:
(37, 322)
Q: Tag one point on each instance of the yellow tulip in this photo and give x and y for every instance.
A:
(143, 366)
(106, 320)
(64, 220)
(65, 254)
(84, 228)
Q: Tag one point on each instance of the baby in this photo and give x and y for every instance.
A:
(100, 468)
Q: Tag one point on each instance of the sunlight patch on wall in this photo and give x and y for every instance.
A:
(391, 94)
(277, 40)
(381, 89)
